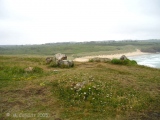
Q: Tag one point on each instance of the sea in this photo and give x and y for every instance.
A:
(150, 60)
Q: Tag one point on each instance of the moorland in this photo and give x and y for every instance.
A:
(111, 91)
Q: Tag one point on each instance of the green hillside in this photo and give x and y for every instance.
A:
(82, 49)
(109, 91)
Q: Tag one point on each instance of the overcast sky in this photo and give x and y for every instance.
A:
(48, 21)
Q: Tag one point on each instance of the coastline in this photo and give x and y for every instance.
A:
(129, 54)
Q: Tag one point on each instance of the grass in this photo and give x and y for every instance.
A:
(110, 91)
(104, 96)
(15, 71)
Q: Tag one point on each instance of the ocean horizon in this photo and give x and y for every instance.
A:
(150, 60)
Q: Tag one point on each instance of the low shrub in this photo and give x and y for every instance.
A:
(123, 62)
(133, 62)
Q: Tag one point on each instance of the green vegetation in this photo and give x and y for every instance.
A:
(74, 50)
(88, 91)
(114, 61)
(123, 62)
(99, 89)
(152, 49)
(14, 71)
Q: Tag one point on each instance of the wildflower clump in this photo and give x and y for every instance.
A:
(80, 94)
(84, 91)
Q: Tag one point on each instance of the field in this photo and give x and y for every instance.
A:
(106, 91)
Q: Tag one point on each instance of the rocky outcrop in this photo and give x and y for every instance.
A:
(60, 60)
(123, 57)
(66, 63)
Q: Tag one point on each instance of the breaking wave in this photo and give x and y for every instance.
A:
(150, 60)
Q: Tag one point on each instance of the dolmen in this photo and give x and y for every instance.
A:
(60, 60)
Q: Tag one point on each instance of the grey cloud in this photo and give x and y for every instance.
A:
(148, 7)
(3, 11)
(139, 19)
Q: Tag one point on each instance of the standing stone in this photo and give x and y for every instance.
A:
(123, 57)
(60, 56)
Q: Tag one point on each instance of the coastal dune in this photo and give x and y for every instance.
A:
(86, 58)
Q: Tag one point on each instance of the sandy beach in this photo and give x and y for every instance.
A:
(86, 58)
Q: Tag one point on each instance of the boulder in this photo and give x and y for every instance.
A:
(59, 60)
(66, 63)
(71, 63)
(60, 56)
(123, 57)
(48, 60)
